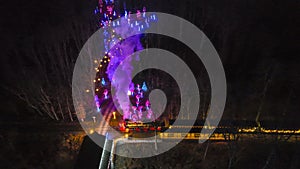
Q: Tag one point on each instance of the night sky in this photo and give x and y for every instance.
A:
(258, 41)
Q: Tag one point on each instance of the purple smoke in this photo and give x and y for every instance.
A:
(117, 54)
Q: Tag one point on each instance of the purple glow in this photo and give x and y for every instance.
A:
(117, 53)
(105, 94)
(97, 103)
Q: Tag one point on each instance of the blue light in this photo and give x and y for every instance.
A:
(144, 87)
(103, 81)
(96, 98)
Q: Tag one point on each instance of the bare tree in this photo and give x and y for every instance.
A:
(46, 85)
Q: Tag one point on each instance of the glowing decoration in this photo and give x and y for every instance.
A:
(105, 93)
(91, 131)
(144, 87)
(114, 115)
(150, 114)
(103, 82)
(131, 88)
(134, 117)
(97, 102)
(115, 53)
(138, 97)
(122, 126)
(141, 95)
(138, 88)
(147, 104)
(134, 111)
(140, 113)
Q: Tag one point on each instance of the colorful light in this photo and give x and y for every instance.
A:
(103, 82)
(144, 87)
(114, 115)
(116, 52)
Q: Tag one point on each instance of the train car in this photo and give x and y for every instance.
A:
(139, 126)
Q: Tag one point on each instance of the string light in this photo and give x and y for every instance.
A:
(91, 131)
(113, 32)
(114, 114)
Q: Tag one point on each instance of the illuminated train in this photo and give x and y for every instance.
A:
(224, 127)
(130, 126)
